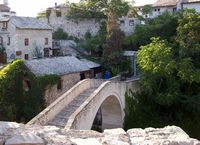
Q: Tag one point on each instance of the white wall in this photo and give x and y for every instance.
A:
(36, 38)
(195, 6)
(127, 28)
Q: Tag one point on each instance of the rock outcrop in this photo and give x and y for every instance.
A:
(20, 134)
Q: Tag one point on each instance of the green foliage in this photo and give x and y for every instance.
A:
(156, 58)
(147, 9)
(112, 53)
(16, 102)
(60, 34)
(84, 10)
(170, 81)
(163, 26)
(97, 9)
(41, 15)
(94, 44)
(141, 111)
(188, 38)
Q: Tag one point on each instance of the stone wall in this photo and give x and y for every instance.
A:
(74, 28)
(19, 134)
(52, 110)
(68, 81)
(78, 28)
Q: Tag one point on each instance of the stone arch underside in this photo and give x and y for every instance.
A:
(109, 115)
(111, 102)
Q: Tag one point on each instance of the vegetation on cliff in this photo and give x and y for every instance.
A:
(21, 93)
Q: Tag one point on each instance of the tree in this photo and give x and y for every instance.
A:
(96, 43)
(147, 10)
(163, 26)
(188, 37)
(60, 34)
(158, 66)
(170, 85)
(111, 10)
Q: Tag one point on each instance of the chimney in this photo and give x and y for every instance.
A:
(55, 5)
(5, 2)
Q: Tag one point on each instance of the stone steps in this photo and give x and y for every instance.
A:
(62, 117)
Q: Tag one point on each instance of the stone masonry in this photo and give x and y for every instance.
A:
(68, 81)
(19, 134)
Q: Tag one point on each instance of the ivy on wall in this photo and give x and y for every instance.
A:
(22, 93)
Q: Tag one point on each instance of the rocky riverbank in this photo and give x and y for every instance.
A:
(19, 134)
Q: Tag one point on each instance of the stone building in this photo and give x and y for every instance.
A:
(5, 11)
(25, 37)
(70, 69)
(161, 6)
(56, 17)
(191, 4)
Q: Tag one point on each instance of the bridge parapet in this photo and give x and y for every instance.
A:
(48, 113)
(83, 117)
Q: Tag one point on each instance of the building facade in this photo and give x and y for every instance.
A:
(25, 37)
(171, 6)
(56, 17)
(70, 70)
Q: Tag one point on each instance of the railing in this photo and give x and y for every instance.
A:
(51, 111)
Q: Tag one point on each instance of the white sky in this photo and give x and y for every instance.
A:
(32, 7)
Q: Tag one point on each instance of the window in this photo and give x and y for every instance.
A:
(60, 84)
(26, 57)
(174, 9)
(26, 41)
(158, 10)
(5, 25)
(26, 85)
(46, 52)
(122, 22)
(155, 10)
(1, 40)
(58, 13)
(46, 41)
(131, 23)
(18, 53)
(8, 41)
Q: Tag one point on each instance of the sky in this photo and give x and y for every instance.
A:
(32, 7)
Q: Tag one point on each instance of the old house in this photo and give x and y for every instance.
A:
(191, 4)
(70, 69)
(25, 37)
(161, 6)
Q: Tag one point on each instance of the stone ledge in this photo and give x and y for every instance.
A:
(19, 134)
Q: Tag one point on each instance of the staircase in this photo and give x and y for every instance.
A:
(62, 117)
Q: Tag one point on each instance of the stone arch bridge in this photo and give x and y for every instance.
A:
(78, 107)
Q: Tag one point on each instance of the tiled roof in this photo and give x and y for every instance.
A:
(190, 1)
(29, 23)
(90, 64)
(56, 65)
(164, 3)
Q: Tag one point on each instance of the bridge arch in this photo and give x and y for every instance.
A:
(110, 99)
(109, 115)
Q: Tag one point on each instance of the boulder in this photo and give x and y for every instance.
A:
(170, 135)
(6, 126)
(25, 139)
(19, 134)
